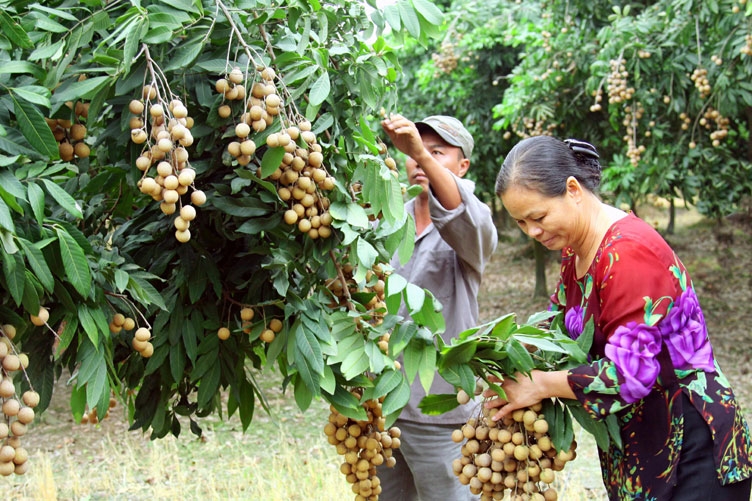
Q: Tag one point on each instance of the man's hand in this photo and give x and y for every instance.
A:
(404, 135)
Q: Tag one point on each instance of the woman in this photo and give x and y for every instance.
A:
(684, 435)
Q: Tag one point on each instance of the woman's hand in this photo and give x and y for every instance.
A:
(526, 391)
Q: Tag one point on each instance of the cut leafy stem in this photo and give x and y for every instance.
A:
(502, 348)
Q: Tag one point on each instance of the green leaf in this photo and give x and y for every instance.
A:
(62, 197)
(36, 199)
(429, 11)
(34, 94)
(271, 161)
(519, 356)
(74, 262)
(209, 385)
(14, 272)
(14, 31)
(38, 264)
(185, 55)
(346, 404)
(356, 362)
(144, 291)
(247, 399)
(303, 396)
(433, 405)
(597, 429)
(6, 221)
(75, 90)
(320, 89)
(14, 67)
(392, 16)
(93, 322)
(414, 298)
(396, 399)
(34, 128)
(409, 18)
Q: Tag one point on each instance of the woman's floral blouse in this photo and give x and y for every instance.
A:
(647, 317)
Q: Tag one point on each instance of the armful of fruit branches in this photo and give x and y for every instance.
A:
(502, 348)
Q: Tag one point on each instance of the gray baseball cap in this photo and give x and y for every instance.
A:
(450, 130)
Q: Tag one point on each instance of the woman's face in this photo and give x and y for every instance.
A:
(549, 220)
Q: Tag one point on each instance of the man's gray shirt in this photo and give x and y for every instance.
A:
(448, 260)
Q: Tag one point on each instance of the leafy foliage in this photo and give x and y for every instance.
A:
(505, 349)
(80, 238)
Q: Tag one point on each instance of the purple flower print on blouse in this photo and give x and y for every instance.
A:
(573, 321)
(686, 335)
(633, 349)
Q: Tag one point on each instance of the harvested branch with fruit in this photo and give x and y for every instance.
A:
(522, 451)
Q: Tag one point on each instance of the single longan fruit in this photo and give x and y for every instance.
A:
(136, 106)
(224, 111)
(222, 86)
(149, 92)
(267, 335)
(40, 318)
(275, 325)
(462, 397)
(66, 151)
(77, 132)
(188, 212)
(223, 333)
(148, 351)
(457, 436)
(198, 198)
(9, 331)
(7, 389)
(25, 415)
(246, 314)
(183, 236)
(11, 407)
(142, 334)
(242, 130)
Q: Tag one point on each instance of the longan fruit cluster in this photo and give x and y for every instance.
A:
(713, 117)
(301, 178)
(446, 59)
(375, 282)
(166, 137)
(17, 413)
(259, 109)
(365, 446)
(515, 454)
(702, 84)
(618, 92)
(141, 342)
(90, 416)
(271, 329)
(70, 138)
(746, 49)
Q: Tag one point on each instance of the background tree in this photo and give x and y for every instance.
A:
(661, 88)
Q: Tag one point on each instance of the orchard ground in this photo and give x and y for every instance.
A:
(284, 456)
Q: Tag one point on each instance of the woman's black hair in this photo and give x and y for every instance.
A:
(544, 163)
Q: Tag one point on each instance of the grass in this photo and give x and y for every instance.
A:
(282, 457)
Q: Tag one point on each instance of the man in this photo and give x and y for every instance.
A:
(455, 237)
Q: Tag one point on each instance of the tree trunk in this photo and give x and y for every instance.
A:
(671, 217)
(541, 289)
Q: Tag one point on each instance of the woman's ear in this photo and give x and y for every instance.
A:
(574, 188)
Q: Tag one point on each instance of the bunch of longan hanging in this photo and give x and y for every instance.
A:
(164, 128)
(365, 445)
